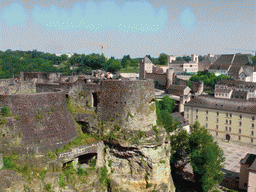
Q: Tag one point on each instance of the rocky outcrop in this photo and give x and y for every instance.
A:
(142, 167)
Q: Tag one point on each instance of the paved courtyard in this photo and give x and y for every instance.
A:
(233, 152)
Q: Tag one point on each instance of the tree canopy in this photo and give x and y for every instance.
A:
(164, 108)
(209, 79)
(207, 158)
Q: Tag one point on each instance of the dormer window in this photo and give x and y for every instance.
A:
(253, 118)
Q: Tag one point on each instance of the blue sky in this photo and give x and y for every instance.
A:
(129, 27)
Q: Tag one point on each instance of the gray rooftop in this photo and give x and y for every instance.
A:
(236, 105)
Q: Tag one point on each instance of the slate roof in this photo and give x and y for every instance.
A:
(206, 62)
(223, 90)
(180, 61)
(239, 95)
(242, 59)
(250, 159)
(177, 87)
(236, 105)
(236, 83)
(179, 118)
(146, 60)
(223, 62)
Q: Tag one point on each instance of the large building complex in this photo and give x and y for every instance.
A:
(231, 119)
(236, 66)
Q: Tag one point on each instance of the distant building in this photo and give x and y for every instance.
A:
(183, 122)
(236, 66)
(228, 88)
(68, 54)
(247, 178)
(182, 66)
(207, 61)
(162, 75)
(231, 119)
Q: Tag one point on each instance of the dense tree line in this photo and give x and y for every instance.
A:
(13, 62)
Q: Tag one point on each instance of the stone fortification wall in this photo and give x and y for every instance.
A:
(161, 78)
(44, 121)
(197, 87)
(129, 102)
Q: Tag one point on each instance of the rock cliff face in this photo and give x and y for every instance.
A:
(140, 167)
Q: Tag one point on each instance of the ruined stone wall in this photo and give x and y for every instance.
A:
(44, 121)
(161, 78)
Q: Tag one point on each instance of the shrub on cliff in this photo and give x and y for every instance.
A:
(5, 111)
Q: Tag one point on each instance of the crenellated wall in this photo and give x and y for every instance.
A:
(44, 122)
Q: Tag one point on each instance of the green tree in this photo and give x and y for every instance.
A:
(112, 65)
(124, 61)
(162, 59)
(206, 158)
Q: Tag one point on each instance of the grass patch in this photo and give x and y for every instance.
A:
(76, 109)
(162, 162)
(69, 170)
(110, 163)
(52, 109)
(103, 176)
(51, 155)
(39, 116)
(61, 181)
(48, 187)
(129, 70)
(82, 139)
(2, 120)
(16, 117)
(42, 174)
(141, 134)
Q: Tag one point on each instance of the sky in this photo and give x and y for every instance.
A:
(135, 27)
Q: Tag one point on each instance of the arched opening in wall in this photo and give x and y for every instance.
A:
(95, 100)
(67, 96)
(228, 137)
(87, 160)
(85, 126)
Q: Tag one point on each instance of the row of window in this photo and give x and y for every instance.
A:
(228, 114)
(239, 137)
(221, 94)
(229, 129)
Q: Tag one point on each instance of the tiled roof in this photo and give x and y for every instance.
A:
(236, 83)
(177, 87)
(253, 165)
(236, 105)
(147, 60)
(248, 70)
(239, 95)
(250, 159)
(179, 118)
(241, 59)
(234, 71)
(180, 61)
(223, 62)
(223, 90)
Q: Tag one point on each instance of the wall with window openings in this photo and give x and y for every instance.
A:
(220, 123)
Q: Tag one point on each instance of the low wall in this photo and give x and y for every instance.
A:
(44, 121)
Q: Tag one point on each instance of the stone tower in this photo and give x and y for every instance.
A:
(194, 58)
(146, 66)
(169, 77)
